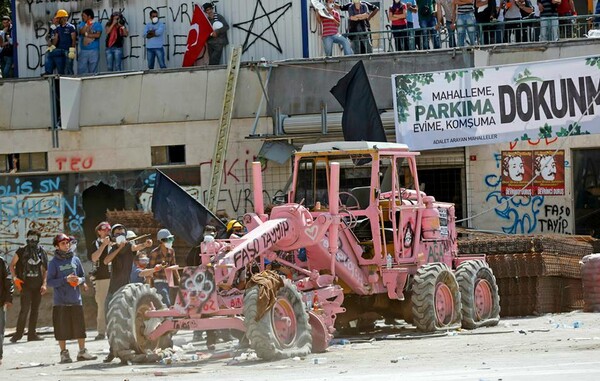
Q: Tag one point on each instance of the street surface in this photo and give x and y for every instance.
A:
(550, 347)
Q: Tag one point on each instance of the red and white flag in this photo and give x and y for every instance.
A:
(200, 30)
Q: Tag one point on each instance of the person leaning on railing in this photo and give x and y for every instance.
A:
(445, 10)
(464, 21)
(516, 10)
(397, 16)
(565, 9)
(485, 15)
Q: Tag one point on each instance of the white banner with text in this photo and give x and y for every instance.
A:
(497, 104)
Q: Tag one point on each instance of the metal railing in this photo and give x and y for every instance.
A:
(499, 32)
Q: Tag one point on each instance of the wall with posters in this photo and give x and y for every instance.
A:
(522, 188)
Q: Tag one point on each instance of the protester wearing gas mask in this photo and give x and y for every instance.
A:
(154, 33)
(28, 268)
(161, 257)
(120, 255)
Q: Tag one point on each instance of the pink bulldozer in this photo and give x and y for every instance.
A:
(350, 243)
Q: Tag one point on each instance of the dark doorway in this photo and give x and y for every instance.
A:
(445, 185)
(96, 200)
(586, 188)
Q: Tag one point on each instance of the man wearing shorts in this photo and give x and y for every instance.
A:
(65, 274)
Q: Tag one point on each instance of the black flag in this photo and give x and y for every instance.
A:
(185, 216)
(361, 119)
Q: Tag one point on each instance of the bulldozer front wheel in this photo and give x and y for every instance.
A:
(127, 325)
(284, 331)
(479, 294)
(435, 299)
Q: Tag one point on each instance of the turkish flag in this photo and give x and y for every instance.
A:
(200, 30)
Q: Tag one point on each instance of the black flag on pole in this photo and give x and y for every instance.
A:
(182, 214)
(361, 119)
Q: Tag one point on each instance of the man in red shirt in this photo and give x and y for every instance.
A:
(330, 30)
(566, 8)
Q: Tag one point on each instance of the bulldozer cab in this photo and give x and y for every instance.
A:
(374, 200)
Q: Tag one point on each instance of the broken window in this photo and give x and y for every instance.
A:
(168, 155)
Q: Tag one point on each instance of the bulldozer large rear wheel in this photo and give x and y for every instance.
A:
(479, 294)
(127, 327)
(284, 331)
(435, 298)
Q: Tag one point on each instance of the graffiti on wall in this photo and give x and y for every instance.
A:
(267, 33)
(521, 212)
(74, 163)
(263, 28)
(235, 195)
(36, 204)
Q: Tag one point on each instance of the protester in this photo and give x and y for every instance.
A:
(359, 14)
(28, 269)
(97, 253)
(428, 21)
(61, 45)
(6, 291)
(7, 48)
(154, 34)
(566, 8)
(330, 30)
(548, 19)
(89, 48)
(217, 40)
(515, 10)
(139, 264)
(161, 257)
(464, 21)
(235, 227)
(120, 255)
(414, 30)
(397, 16)
(116, 31)
(485, 15)
(65, 275)
(444, 13)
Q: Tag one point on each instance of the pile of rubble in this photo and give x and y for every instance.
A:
(535, 274)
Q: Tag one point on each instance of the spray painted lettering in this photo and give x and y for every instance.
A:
(556, 219)
(74, 163)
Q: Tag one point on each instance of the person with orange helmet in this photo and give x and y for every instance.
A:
(65, 274)
(61, 45)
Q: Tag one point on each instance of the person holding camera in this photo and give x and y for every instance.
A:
(154, 34)
(116, 31)
(100, 274)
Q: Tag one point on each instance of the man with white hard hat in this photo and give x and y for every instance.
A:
(218, 38)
